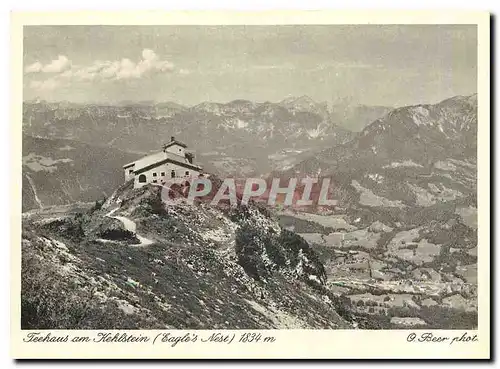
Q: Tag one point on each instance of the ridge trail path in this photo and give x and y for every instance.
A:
(131, 227)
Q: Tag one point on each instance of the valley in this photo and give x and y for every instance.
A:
(384, 274)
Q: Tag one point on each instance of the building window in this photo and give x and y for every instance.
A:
(163, 174)
(180, 150)
(142, 178)
(154, 174)
(187, 172)
(130, 171)
(172, 174)
(154, 181)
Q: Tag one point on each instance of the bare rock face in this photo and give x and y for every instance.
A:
(113, 229)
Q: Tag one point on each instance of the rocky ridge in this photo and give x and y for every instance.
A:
(206, 268)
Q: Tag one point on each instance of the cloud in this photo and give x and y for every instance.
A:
(46, 85)
(58, 65)
(124, 69)
(34, 68)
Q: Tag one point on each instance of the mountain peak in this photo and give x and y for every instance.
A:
(304, 99)
(460, 99)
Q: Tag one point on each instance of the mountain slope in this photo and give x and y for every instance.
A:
(207, 268)
(414, 156)
(57, 171)
(402, 243)
(356, 117)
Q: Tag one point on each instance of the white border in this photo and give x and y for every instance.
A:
(226, 5)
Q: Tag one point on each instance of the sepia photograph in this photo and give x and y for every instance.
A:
(249, 177)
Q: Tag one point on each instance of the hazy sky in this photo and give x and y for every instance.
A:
(368, 64)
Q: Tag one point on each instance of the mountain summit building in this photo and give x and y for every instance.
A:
(172, 164)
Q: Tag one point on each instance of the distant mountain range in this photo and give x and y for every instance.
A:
(219, 133)
(421, 133)
(415, 156)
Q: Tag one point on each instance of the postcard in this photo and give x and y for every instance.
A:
(280, 184)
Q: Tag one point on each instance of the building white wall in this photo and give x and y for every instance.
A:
(164, 173)
(128, 174)
(176, 149)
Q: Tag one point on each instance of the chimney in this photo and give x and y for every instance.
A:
(172, 138)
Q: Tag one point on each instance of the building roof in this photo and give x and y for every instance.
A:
(167, 160)
(159, 158)
(149, 160)
(175, 142)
